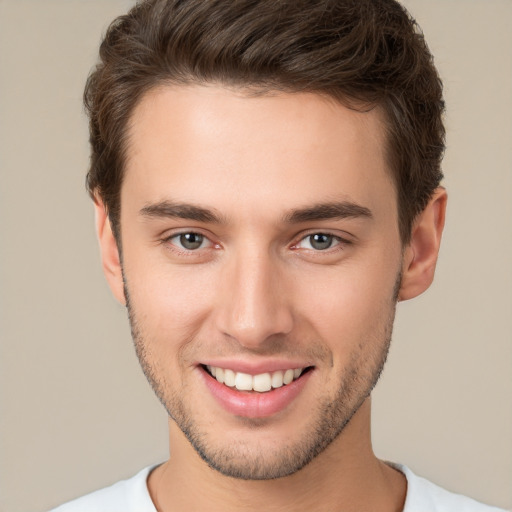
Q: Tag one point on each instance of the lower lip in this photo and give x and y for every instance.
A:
(254, 404)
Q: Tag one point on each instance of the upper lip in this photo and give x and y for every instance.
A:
(256, 367)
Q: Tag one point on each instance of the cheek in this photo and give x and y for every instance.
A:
(351, 305)
(169, 302)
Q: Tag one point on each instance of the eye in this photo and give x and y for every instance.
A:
(318, 242)
(190, 241)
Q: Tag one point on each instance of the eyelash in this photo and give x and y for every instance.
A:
(339, 243)
(183, 250)
(335, 242)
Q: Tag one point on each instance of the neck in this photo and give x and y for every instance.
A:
(346, 477)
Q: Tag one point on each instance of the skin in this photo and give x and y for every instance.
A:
(257, 290)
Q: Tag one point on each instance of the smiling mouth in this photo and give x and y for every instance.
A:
(261, 383)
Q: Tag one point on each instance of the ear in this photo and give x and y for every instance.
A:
(110, 259)
(420, 255)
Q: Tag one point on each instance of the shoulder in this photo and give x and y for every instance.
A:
(124, 496)
(423, 495)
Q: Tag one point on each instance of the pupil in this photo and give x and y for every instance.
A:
(320, 241)
(191, 240)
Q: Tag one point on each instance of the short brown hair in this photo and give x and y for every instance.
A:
(359, 52)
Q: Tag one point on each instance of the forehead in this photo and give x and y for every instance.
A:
(218, 145)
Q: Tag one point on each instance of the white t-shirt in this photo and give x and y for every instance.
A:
(132, 495)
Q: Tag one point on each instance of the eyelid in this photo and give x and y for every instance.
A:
(169, 236)
(166, 239)
(340, 239)
(336, 241)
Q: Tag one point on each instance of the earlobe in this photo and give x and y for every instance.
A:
(110, 257)
(420, 255)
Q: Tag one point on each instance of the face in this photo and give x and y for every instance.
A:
(261, 261)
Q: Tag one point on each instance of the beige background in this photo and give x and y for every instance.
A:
(76, 412)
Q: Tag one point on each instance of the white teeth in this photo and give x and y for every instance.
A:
(288, 376)
(277, 379)
(261, 383)
(229, 378)
(243, 381)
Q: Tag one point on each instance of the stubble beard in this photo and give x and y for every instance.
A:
(240, 460)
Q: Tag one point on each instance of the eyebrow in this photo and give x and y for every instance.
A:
(328, 211)
(316, 212)
(168, 209)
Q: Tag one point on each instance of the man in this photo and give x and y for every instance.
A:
(266, 176)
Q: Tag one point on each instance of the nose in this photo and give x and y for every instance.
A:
(254, 305)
